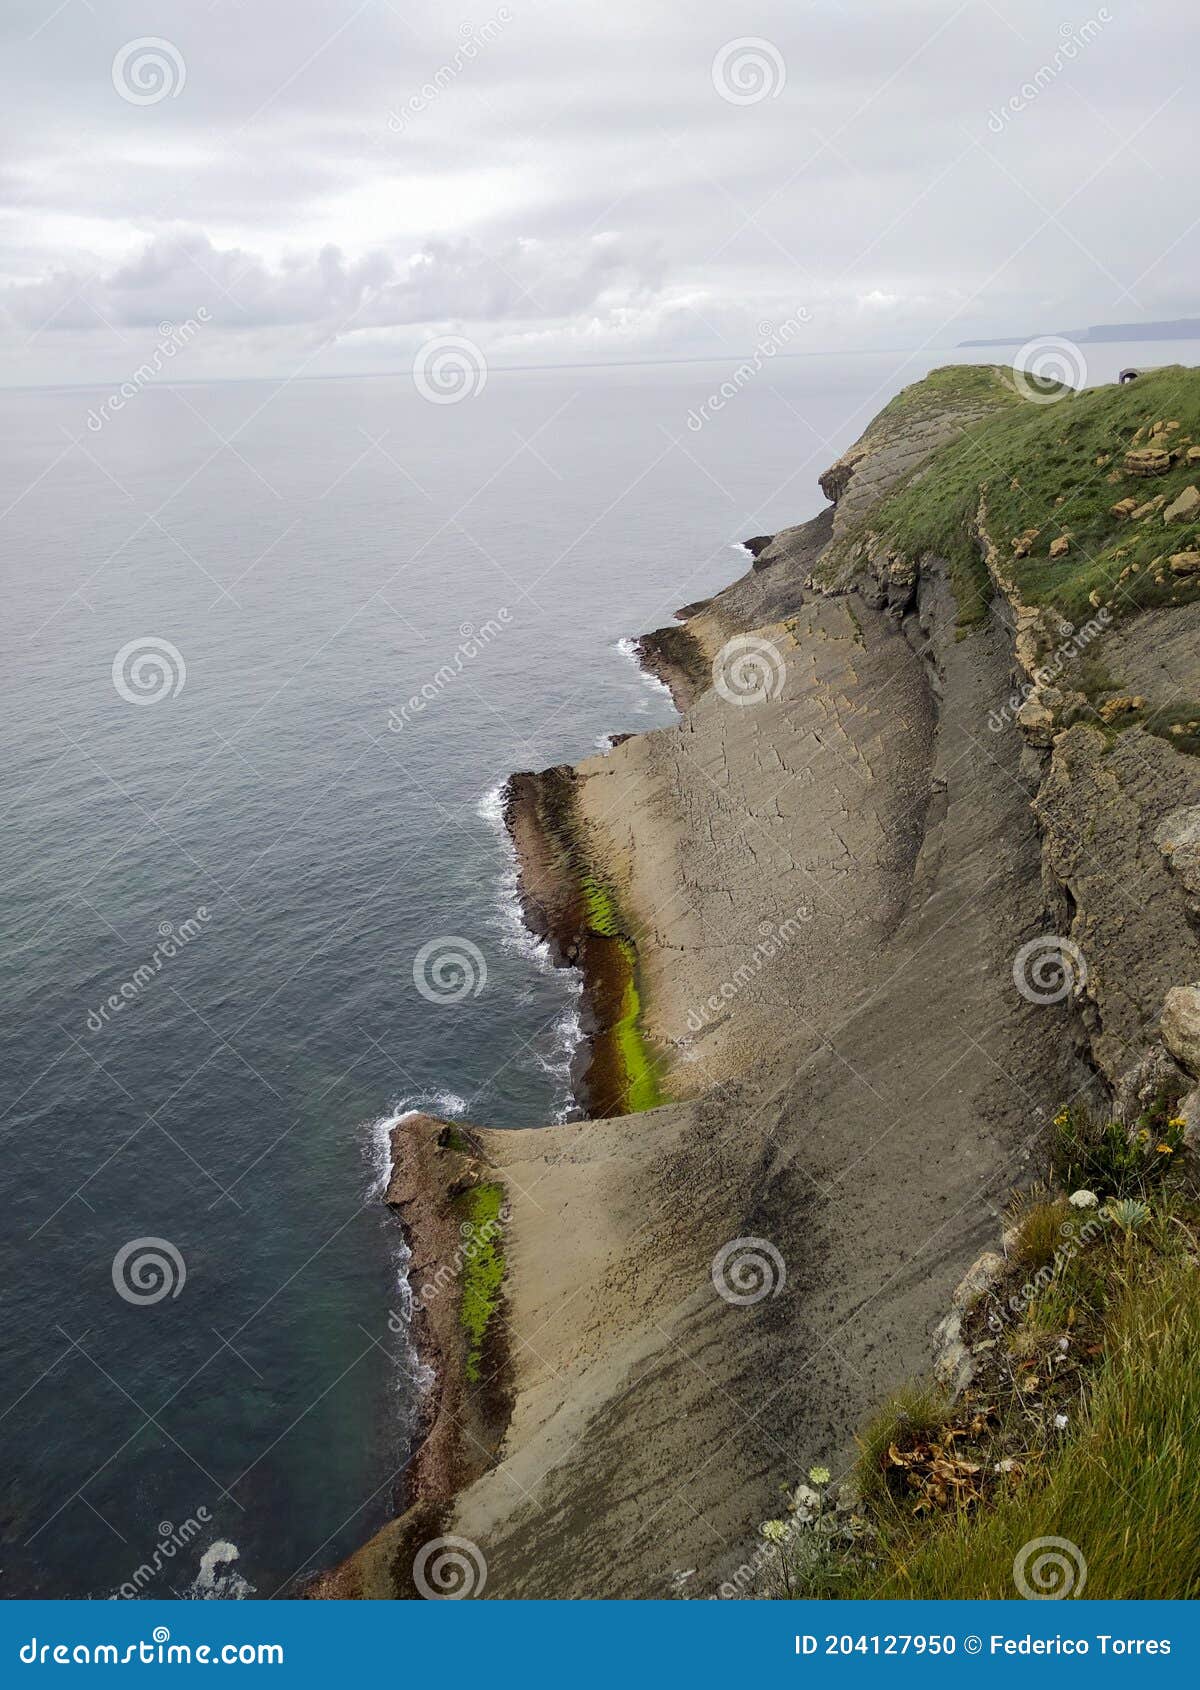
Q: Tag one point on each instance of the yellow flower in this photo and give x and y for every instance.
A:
(1177, 1124)
(1164, 1149)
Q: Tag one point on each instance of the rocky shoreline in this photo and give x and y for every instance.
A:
(434, 1163)
(800, 916)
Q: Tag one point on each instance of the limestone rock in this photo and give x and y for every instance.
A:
(952, 1365)
(1185, 508)
(1036, 722)
(1178, 838)
(1180, 1026)
(1193, 455)
(1122, 705)
(1124, 509)
(1189, 1110)
(1061, 546)
(1147, 460)
(979, 1277)
(1184, 563)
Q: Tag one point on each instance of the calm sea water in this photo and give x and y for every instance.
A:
(315, 554)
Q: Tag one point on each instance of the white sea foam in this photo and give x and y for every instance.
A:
(516, 937)
(510, 923)
(377, 1140)
(655, 688)
(218, 1580)
(377, 1154)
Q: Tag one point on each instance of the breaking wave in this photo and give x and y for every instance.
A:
(656, 690)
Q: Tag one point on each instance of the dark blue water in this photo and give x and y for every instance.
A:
(313, 575)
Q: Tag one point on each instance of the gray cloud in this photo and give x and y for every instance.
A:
(569, 179)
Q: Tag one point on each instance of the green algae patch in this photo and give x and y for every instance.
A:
(636, 1078)
(483, 1268)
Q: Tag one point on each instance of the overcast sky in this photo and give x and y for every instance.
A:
(328, 183)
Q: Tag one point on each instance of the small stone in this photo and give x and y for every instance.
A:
(1193, 455)
(1124, 509)
(1061, 546)
(1184, 563)
(1185, 508)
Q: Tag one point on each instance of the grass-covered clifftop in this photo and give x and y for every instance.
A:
(1067, 1459)
(1055, 467)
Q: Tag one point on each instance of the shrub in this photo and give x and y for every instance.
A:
(1111, 1157)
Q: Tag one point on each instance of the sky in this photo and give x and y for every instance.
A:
(322, 186)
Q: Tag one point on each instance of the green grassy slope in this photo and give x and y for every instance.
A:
(1057, 465)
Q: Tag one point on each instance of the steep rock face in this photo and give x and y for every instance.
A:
(904, 436)
(1101, 808)
(703, 1297)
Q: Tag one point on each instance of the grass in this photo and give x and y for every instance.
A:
(1082, 1420)
(1122, 1488)
(482, 1270)
(1059, 468)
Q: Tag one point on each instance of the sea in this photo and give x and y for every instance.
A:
(270, 650)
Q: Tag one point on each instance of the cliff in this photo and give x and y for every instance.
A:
(917, 863)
